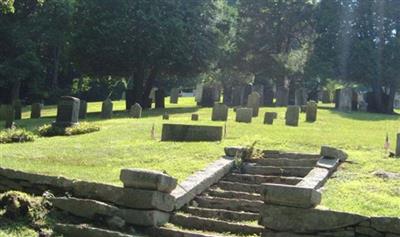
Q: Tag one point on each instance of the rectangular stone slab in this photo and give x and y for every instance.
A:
(315, 179)
(147, 179)
(183, 132)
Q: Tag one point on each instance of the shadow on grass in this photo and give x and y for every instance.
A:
(366, 116)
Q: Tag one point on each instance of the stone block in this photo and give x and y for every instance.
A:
(328, 163)
(219, 112)
(269, 117)
(315, 179)
(67, 111)
(292, 115)
(244, 115)
(332, 152)
(107, 109)
(311, 111)
(174, 96)
(233, 150)
(136, 111)
(386, 224)
(289, 195)
(253, 102)
(147, 179)
(183, 132)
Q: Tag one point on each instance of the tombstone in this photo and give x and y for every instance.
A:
(398, 145)
(107, 109)
(17, 105)
(254, 102)
(174, 96)
(292, 115)
(269, 117)
(83, 109)
(165, 116)
(198, 92)
(227, 99)
(282, 96)
(36, 110)
(195, 117)
(67, 112)
(152, 94)
(269, 95)
(244, 115)
(160, 99)
(345, 100)
(246, 91)
(236, 96)
(9, 115)
(326, 97)
(208, 97)
(311, 111)
(260, 90)
(300, 97)
(216, 94)
(219, 112)
(136, 111)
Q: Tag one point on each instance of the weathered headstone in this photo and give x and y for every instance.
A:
(195, 117)
(219, 112)
(165, 116)
(345, 99)
(17, 104)
(282, 96)
(216, 94)
(254, 102)
(311, 111)
(136, 111)
(292, 115)
(260, 90)
(269, 117)
(326, 97)
(36, 110)
(67, 111)
(236, 96)
(198, 92)
(208, 97)
(160, 99)
(152, 95)
(174, 96)
(182, 132)
(227, 99)
(269, 95)
(246, 91)
(83, 109)
(300, 96)
(244, 115)
(107, 109)
(9, 115)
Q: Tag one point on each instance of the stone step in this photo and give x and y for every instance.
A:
(238, 187)
(229, 204)
(286, 162)
(68, 230)
(205, 224)
(220, 214)
(175, 232)
(259, 179)
(216, 192)
(290, 155)
(249, 168)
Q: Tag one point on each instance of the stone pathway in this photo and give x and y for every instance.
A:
(231, 206)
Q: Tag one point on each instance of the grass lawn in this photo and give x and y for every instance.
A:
(125, 142)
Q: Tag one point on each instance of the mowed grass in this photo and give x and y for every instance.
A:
(124, 142)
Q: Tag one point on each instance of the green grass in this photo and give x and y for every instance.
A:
(124, 142)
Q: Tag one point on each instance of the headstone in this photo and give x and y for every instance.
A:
(345, 99)
(136, 111)
(219, 112)
(183, 132)
(152, 95)
(83, 109)
(326, 97)
(282, 96)
(244, 115)
(107, 109)
(254, 102)
(17, 104)
(311, 111)
(269, 117)
(246, 91)
(195, 117)
(269, 95)
(9, 115)
(67, 111)
(216, 93)
(165, 116)
(260, 90)
(198, 92)
(292, 115)
(227, 100)
(174, 96)
(301, 97)
(236, 96)
(160, 99)
(36, 110)
(398, 145)
(208, 97)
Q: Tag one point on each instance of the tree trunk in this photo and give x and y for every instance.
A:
(56, 59)
(390, 102)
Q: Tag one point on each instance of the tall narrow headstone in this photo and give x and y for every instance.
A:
(227, 99)
(17, 104)
(67, 111)
(292, 115)
(236, 95)
(244, 115)
(269, 95)
(136, 111)
(300, 97)
(174, 96)
(9, 115)
(282, 96)
(260, 90)
(311, 111)
(219, 112)
(208, 97)
(345, 99)
(83, 109)
(198, 92)
(160, 99)
(254, 102)
(152, 95)
(107, 109)
(36, 110)
(269, 117)
(246, 91)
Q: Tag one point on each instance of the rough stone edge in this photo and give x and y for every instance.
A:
(83, 230)
(201, 180)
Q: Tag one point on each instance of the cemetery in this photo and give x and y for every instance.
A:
(199, 118)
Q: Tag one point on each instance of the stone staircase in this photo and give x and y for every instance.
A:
(231, 206)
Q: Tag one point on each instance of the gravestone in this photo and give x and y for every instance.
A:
(183, 132)
(244, 115)
(246, 91)
(345, 100)
(198, 92)
(195, 117)
(17, 105)
(67, 111)
(165, 116)
(107, 109)
(36, 110)
(227, 99)
(236, 95)
(326, 97)
(136, 111)
(152, 95)
(208, 97)
(216, 93)
(9, 115)
(83, 109)
(269, 117)
(269, 95)
(260, 90)
(254, 102)
(160, 99)
(311, 111)
(174, 96)
(282, 96)
(301, 97)
(219, 112)
(292, 115)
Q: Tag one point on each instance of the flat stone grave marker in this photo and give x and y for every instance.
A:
(219, 112)
(174, 96)
(254, 102)
(183, 132)
(136, 111)
(83, 109)
(67, 111)
(244, 115)
(195, 117)
(269, 117)
(36, 110)
(107, 109)
(292, 115)
(311, 112)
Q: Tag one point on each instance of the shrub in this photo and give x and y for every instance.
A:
(81, 128)
(21, 205)
(16, 135)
